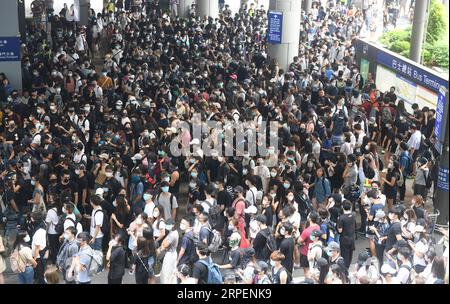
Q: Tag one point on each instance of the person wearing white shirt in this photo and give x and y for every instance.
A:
(316, 147)
(263, 171)
(96, 223)
(52, 220)
(39, 245)
(414, 141)
(252, 192)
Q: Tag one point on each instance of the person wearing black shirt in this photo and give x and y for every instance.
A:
(200, 270)
(116, 257)
(224, 200)
(346, 227)
(394, 233)
(262, 252)
(68, 188)
(287, 247)
(267, 210)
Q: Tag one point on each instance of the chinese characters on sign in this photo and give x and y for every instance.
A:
(417, 74)
(443, 180)
(9, 49)
(275, 27)
(440, 122)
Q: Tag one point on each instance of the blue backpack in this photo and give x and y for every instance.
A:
(214, 275)
(409, 161)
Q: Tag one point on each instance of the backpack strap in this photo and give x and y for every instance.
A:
(96, 213)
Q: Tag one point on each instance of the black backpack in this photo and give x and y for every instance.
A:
(271, 243)
(105, 225)
(214, 214)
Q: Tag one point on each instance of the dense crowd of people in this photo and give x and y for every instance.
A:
(89, 182)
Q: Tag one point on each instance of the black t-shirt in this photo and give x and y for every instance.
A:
(213, 166)
(287, 248)
(117, 263)
(259, 244)
(347, 222)
(235, 258)
(68, 189)
(200, 271)
(395, 229)
(268, 212)
(82, 184)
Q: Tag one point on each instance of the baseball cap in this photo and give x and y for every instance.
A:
(261, 218)
(333, 246)
(99, 191)
(316, 233)
(251, 210)
(362, 258)
(261, 266)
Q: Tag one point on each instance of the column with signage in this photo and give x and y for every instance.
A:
(184, 7)
(441, 131)
(84, 7)
(10, 43)
(283, 31)
(208, 8)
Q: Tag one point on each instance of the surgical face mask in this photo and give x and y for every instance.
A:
(282, 231)
(273, 195)
(286, 185)
(33, 182)
(273, 174)
(169, 227)
(109, 174)
(26, 238)
(272, 263)
(147, 196)
(290, 197)
(155, 213)
(194, 174)
(329, 253)
(165, 189)
(77, 172)
(166, 179)
(312, 238)
(139, 221)
(66, 236)
(230, 227)
(244, 171)
(52, 108)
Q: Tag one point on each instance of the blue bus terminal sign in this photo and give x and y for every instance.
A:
(441, 115)
(9, 49)
(275, 28)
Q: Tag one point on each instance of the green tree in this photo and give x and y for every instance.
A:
(437, 22)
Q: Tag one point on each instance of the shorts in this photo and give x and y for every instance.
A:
(304, 263)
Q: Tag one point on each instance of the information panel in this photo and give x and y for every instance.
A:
(275, 28)
(9, 49)
(443, 180)
(441, 119)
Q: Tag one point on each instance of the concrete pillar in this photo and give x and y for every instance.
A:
(306, 5)
(235, 5)
(84, 6)
(9, 32)
(184, 7)
(418, 29)
(208, 8)
(288, 48)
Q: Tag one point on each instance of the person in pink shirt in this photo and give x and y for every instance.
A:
(239, 205)
(304, 241)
